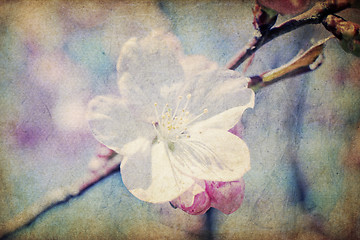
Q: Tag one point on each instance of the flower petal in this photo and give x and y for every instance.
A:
(217, 90)
(149, 175)
(225, 120)
(214, 155)
(113, 125)
(226, 196)
(194, 201)
(196, 66)
(147, 66)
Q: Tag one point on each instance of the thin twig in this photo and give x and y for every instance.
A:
(313, 16)
(61, 195)
(304, 62)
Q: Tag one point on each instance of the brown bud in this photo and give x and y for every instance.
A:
(341, 4)
(341, 28)
(264, 18)
(347, 32)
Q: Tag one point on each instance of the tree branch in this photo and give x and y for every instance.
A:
(107, 165)
(304, 62)
(313, 16)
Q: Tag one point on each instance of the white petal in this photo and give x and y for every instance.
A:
(214, 155)
(218, 90)
(113, 124)
(196, 66)
(147, 65)
(224, 120)
(149, 175)
(188, 197)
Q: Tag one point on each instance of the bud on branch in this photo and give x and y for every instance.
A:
(347, 32)
(315, 15)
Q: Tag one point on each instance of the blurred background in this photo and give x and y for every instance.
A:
(303, 133)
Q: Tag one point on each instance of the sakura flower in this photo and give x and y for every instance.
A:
(171, 119)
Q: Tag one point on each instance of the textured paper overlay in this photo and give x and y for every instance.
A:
(303, 133)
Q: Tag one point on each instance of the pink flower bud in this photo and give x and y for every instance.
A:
(193, 204)
(225, 196)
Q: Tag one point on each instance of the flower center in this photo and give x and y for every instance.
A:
(171, 125)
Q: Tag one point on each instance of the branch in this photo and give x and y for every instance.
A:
(302, 63)
(100, 167)
(313, 16)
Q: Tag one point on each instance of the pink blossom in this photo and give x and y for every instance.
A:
(225, 196)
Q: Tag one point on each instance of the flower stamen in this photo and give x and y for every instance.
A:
(156, 111)
(173, 124)
(177, 106)
(198, 116)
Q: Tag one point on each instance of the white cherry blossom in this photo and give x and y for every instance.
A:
(171, 119)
